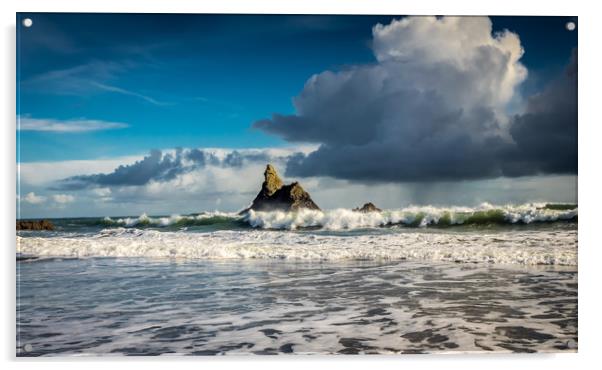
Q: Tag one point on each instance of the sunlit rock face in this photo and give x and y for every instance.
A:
(367, 207)
(275, 196)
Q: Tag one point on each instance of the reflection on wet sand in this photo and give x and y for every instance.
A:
(142, 307)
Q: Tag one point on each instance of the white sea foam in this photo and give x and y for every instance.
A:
(144, 219)
(550, 247)
(345, 219)
(423, 216)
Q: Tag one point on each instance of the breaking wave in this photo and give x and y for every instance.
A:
(412, 233)
(202, 219)
(530, 247)
(344, 219)
(425, 216)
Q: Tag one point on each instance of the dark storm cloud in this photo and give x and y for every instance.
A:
(202, 158)
(431, 109)
(160, 167)
(155, 166)
(388, 151)
(546, 134)
(237, 159)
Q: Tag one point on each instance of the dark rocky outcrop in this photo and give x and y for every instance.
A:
(368, 207)
(34, 225)
(275, 196)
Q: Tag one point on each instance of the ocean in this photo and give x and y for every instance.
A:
(412, 280)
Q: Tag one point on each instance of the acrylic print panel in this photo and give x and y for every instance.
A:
(295, 184)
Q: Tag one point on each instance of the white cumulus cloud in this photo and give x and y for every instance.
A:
(32, 198)
(102, 192)
(465, 47)
(432, 108)
(63, 198)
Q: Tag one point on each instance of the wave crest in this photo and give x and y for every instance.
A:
(345, 219)
(414, 216)
(205, 218)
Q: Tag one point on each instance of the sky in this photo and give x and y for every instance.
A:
(120, 114)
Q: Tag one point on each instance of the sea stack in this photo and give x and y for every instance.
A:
(275, 196)
(368, 207)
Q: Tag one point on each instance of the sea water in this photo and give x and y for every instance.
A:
(416, 280)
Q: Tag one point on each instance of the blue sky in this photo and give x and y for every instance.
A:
(136, 82)
(210, 76)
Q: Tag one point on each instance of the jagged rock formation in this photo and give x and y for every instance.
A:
(35, 225)
(368, 207)
(275, 196)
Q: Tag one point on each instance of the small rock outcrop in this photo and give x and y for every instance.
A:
(368, 207)
(34, 225)
(275, 196)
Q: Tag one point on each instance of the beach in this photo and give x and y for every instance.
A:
(216, 284)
